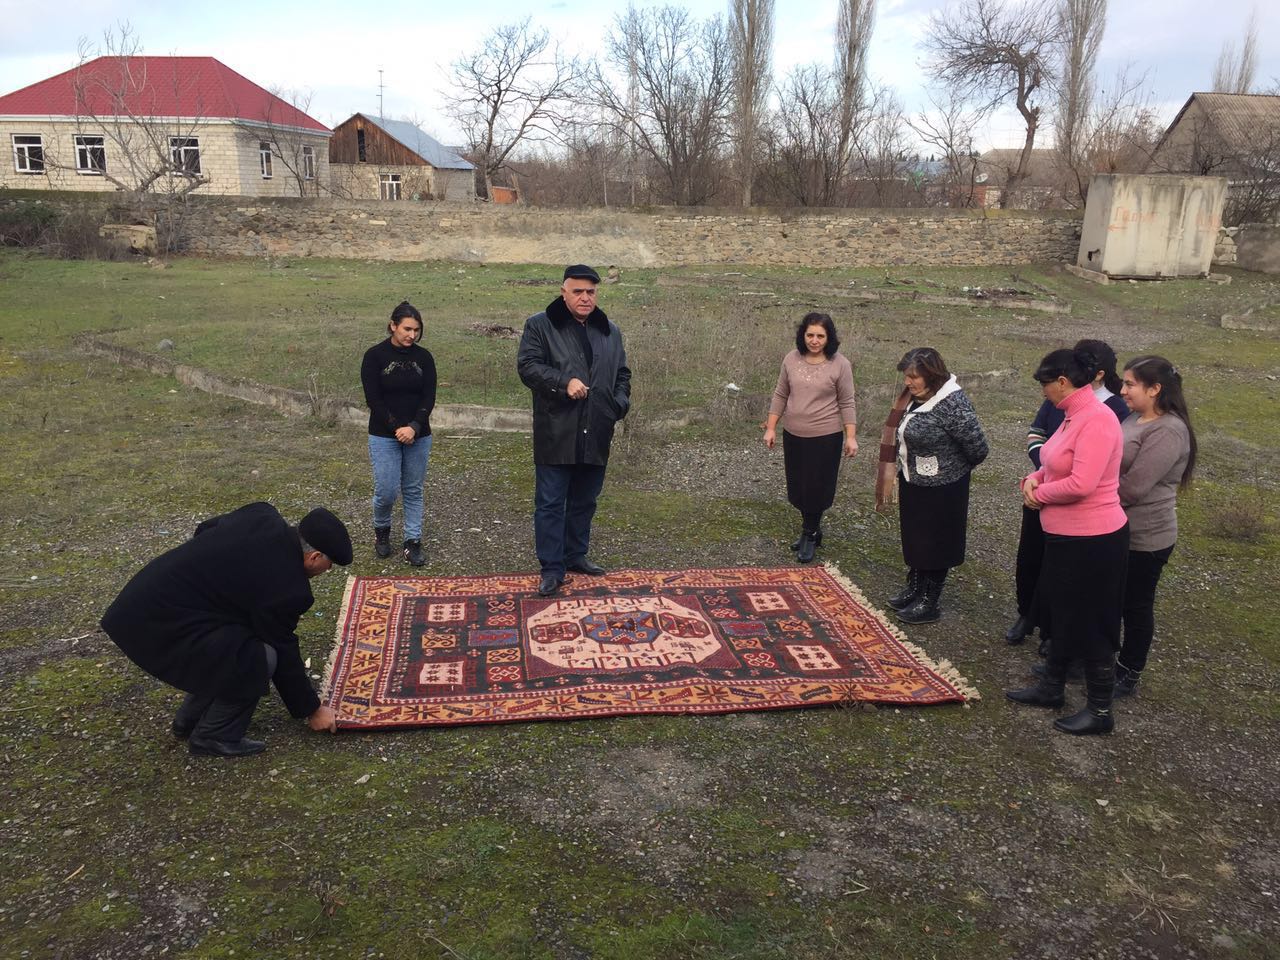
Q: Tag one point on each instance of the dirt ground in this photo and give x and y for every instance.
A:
(970, 831)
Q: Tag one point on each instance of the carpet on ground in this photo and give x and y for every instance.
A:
(439, 651)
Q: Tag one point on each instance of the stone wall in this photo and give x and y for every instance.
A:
(484, 233)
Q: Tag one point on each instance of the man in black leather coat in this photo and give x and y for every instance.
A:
(217, 615)
(573, 360)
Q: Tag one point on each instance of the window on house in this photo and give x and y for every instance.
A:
(360, 146)
(264, 158)
(28, 153)
(186, 154)
(389, 184)
(91, 154)
(308, 163)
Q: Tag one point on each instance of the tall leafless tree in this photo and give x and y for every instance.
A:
(853, 36)
(1082, 25)
(947, 129)
(1237, 74)
(751, 36)
(802, 162)
(999, 53)
(1115, 135)
(510, 91)
(677, 113)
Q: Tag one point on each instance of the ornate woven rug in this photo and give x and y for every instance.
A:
(428, 651)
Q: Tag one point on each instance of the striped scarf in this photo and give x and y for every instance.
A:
(887, 470)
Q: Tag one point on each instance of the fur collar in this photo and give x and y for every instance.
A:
(559, 314)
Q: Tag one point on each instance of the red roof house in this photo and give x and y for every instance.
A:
(160, 123)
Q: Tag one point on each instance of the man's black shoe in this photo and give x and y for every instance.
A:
(550, 584)
(243, 747)
(586, 566)
(181, 731)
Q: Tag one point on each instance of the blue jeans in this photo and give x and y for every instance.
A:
(398, 470)
(564, 504)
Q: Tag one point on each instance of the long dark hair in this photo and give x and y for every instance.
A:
(1151, 371)
(1105, 359)
(404, 310)
(927, 363)
(1078, 366)
(824, 321)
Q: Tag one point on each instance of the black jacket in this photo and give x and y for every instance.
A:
(193, 617)
(550, 356)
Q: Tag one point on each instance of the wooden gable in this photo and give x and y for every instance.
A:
(360, 140)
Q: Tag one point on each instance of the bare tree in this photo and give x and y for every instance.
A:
(1115, 135)
(1082, 26)
(677, 112)
(802, 162)
(1237, 74)
(985, 49)
(751, 36)
(853, 36)
(508, 92)
(294, 151)
(948, 129)
(883, 156)
(116, 96)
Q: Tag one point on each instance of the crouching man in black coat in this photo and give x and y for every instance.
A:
(217, 617)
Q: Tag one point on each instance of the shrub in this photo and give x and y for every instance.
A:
(26, 224)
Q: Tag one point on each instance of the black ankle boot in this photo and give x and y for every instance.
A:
(907, 595)
(382, 541)
(1019, 631)
(808, 544)
(413, 553)
(817, 540)
(1075, 670)
(927, 607)
(1095, 718)
(1126, 681)
(1048, 692)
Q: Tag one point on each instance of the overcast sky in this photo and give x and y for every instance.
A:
(333, 49)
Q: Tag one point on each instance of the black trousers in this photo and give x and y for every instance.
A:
(1145, 567)
(221, 718)
(1030, 560)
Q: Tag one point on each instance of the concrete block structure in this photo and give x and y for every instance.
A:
(1140, 225)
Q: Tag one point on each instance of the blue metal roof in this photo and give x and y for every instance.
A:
(423, 144)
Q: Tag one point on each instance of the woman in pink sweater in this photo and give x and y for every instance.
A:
(1081, 590)
(814, 399)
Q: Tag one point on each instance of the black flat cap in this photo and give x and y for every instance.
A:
(580, 271)
(326, 533)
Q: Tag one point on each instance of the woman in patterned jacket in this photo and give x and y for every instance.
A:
(936, 441)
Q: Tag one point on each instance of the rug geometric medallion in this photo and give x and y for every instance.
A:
(440, 651)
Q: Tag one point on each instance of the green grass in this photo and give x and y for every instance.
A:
(952, 832)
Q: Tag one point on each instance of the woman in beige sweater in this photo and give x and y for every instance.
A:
(814, 398)
(1159, 457)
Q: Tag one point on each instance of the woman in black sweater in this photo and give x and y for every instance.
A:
(399, 379)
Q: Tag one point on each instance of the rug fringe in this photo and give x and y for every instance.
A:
(338, 633)
(943, 668)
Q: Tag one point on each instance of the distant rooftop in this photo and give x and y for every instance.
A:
(195, 87)
(422, 143)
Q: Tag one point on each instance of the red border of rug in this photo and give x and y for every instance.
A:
(901, 673)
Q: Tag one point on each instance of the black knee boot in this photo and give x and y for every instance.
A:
(1126, 681)
(1049, 690)
(927, 606)
(1099, 685)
